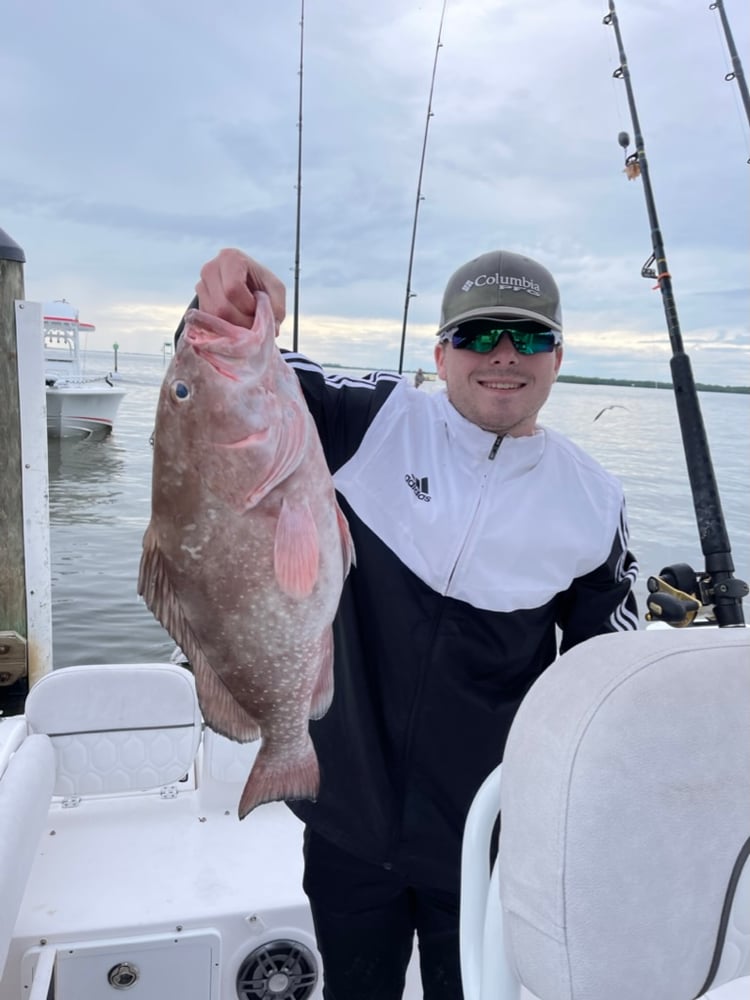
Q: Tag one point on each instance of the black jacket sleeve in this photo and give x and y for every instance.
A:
(343, 407)
(601, 601)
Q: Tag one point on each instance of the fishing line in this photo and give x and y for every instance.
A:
(298, 226)
(620, 113)
(732, 72)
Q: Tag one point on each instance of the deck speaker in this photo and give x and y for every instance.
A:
(278, 970)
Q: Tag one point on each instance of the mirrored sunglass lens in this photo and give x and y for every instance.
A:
(482, 343)
(527, 342)
(524, 341)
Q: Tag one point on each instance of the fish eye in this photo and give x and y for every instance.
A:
(179, 391)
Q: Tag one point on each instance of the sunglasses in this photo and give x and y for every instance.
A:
(479, 337)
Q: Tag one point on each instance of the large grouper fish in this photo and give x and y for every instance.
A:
(247, 550)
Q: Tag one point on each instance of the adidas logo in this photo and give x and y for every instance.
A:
(420, 487)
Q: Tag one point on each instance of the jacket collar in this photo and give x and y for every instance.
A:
(525, 451)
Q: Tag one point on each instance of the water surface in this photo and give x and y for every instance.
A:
(100, 501)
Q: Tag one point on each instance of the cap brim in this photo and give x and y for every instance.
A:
(501, 312)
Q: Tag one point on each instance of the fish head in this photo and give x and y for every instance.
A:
(230, 413)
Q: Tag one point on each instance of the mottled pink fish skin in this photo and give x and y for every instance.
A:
(247, 550)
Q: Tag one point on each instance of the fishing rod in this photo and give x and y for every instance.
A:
(678, 593)
(295, 327)
(409, 294)
(737, 73)
(295, 331)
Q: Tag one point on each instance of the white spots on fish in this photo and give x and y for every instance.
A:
(264, 645)
(194, 551)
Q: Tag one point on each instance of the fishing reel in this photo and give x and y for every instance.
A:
(632, 165)
(678, 594)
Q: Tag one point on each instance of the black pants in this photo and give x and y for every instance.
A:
(365, 920)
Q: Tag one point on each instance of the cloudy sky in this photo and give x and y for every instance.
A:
(141, 136)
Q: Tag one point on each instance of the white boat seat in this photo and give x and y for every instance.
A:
(223, 769)
(25, 794)
(625, 821)
(226, 761)
(117, 727)
(13, 732)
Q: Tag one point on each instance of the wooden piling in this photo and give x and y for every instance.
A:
(13, 614)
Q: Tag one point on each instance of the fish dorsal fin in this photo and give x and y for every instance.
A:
(155, 587)
(220, 710)
(296, 551)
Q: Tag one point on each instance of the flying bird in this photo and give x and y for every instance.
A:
(612, 406)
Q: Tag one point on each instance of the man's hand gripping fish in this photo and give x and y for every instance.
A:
(247, 550)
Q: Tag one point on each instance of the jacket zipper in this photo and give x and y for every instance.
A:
(398, 828)
(490, 457)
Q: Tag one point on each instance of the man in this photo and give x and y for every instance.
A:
(478, 535)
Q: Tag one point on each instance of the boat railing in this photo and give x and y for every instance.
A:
(65, 379)
(26, 783)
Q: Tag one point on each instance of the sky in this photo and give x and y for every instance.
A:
(141, 136)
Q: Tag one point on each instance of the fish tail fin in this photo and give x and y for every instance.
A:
(275, 776)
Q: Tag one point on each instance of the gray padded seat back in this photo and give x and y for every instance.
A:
(625, 805)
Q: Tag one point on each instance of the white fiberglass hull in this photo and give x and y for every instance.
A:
(83, 410)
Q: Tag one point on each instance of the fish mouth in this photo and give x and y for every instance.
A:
(216, 360)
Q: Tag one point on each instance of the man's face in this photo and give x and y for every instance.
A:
(501, 391)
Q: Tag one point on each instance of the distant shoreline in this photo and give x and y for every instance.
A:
(579, 379)
(642, 384)
(592, 380)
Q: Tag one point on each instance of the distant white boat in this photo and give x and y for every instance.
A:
(79, 405)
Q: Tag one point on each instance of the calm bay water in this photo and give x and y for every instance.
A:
(100, 500)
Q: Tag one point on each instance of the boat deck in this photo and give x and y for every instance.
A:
(134, 873)
(166, 884)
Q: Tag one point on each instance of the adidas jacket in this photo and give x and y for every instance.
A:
(471, 554)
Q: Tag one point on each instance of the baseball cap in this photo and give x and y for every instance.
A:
(501, 285)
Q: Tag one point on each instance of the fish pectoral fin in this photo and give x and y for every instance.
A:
(322, 695)
(296, 551)
(347, 543)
